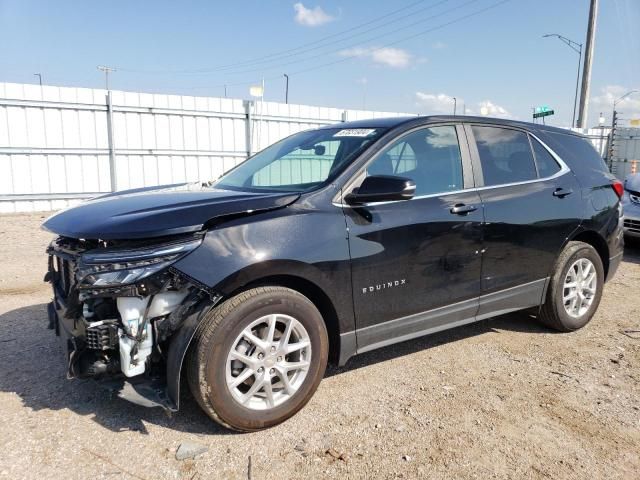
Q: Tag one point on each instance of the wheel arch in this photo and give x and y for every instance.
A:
(596, 240)
(315, 294)
(303, 278)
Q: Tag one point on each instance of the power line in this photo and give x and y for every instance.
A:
(304, 52)
(424, 32)
(278, 58)
(350, 57)
(377, 37)
(282, 52)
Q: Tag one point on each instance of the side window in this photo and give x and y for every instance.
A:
(429, 156)
(505, 155)
(547, 165)
(403, 158)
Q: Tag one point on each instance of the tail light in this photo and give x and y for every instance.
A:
(618, 187)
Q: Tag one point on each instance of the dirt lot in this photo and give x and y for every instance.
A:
(503, 398)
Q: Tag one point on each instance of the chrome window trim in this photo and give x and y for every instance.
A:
(564, 169)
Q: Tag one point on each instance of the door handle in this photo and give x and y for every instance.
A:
(462, 209)
(562, 192)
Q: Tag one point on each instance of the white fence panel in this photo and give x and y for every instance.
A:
(55, 148)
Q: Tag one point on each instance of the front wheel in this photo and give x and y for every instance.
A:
(575, 288)
(258, 358)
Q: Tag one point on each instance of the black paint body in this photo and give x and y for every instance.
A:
(381, 273)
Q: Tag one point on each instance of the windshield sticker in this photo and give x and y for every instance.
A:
(355, 132)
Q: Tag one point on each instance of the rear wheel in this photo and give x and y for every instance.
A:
(258, 358)
(575, 288)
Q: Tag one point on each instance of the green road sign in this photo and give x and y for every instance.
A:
(543, 111)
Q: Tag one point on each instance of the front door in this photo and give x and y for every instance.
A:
(412, 259)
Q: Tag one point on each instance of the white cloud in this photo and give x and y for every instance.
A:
(436, 103)
(490, 109)
(443, 104)
(387, 56)
(311, 17)
(628, 107)
(438, 45)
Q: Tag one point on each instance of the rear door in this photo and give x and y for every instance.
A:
(531, 205)
(412, 259)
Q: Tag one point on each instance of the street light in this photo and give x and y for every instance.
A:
(576, 47)
(623, 97)
(615, 102)
(286, 90)
(455, 104)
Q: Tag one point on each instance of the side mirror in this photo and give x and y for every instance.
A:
(382, 188)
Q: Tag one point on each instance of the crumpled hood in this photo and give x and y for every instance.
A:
(158, 211)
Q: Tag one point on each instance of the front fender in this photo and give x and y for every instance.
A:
(312, 246)
(293, 243)
(179, 345)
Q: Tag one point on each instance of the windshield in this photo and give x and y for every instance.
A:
(300, 162)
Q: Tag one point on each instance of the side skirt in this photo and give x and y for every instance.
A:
(450, 316)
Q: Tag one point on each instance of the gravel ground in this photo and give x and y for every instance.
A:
(503, 398)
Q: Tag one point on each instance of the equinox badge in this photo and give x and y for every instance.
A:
(383, 286)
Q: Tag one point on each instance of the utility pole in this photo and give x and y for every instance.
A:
(107, 71)
(39, 75)
(588, 62)
(455, 104)
(612, 137)
(286, 89)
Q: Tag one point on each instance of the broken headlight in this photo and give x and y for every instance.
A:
(116, 266)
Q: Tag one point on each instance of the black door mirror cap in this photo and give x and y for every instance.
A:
(382, 188)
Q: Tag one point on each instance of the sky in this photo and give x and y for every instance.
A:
(403, 56)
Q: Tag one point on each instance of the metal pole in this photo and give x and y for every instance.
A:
(248, 130)
(112, 149)
(39, 75)
(455, 104)
(588, 62)
(575, 97)
(225, 91)
(286, 90)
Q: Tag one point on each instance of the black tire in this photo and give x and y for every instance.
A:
(206, 361)
(553, 313)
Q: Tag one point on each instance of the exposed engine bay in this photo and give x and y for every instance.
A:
(117, 304)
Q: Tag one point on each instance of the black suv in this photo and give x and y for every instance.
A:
(329, 243)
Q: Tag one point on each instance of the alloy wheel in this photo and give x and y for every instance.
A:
(579, 289)
(268, 362)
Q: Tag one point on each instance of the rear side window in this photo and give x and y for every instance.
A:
(505, 155)
(547, 165)
(579, 153)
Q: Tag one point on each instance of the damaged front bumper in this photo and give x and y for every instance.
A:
(121, 335)
(76, 337)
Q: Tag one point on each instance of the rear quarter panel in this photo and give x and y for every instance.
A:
(602, 211)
